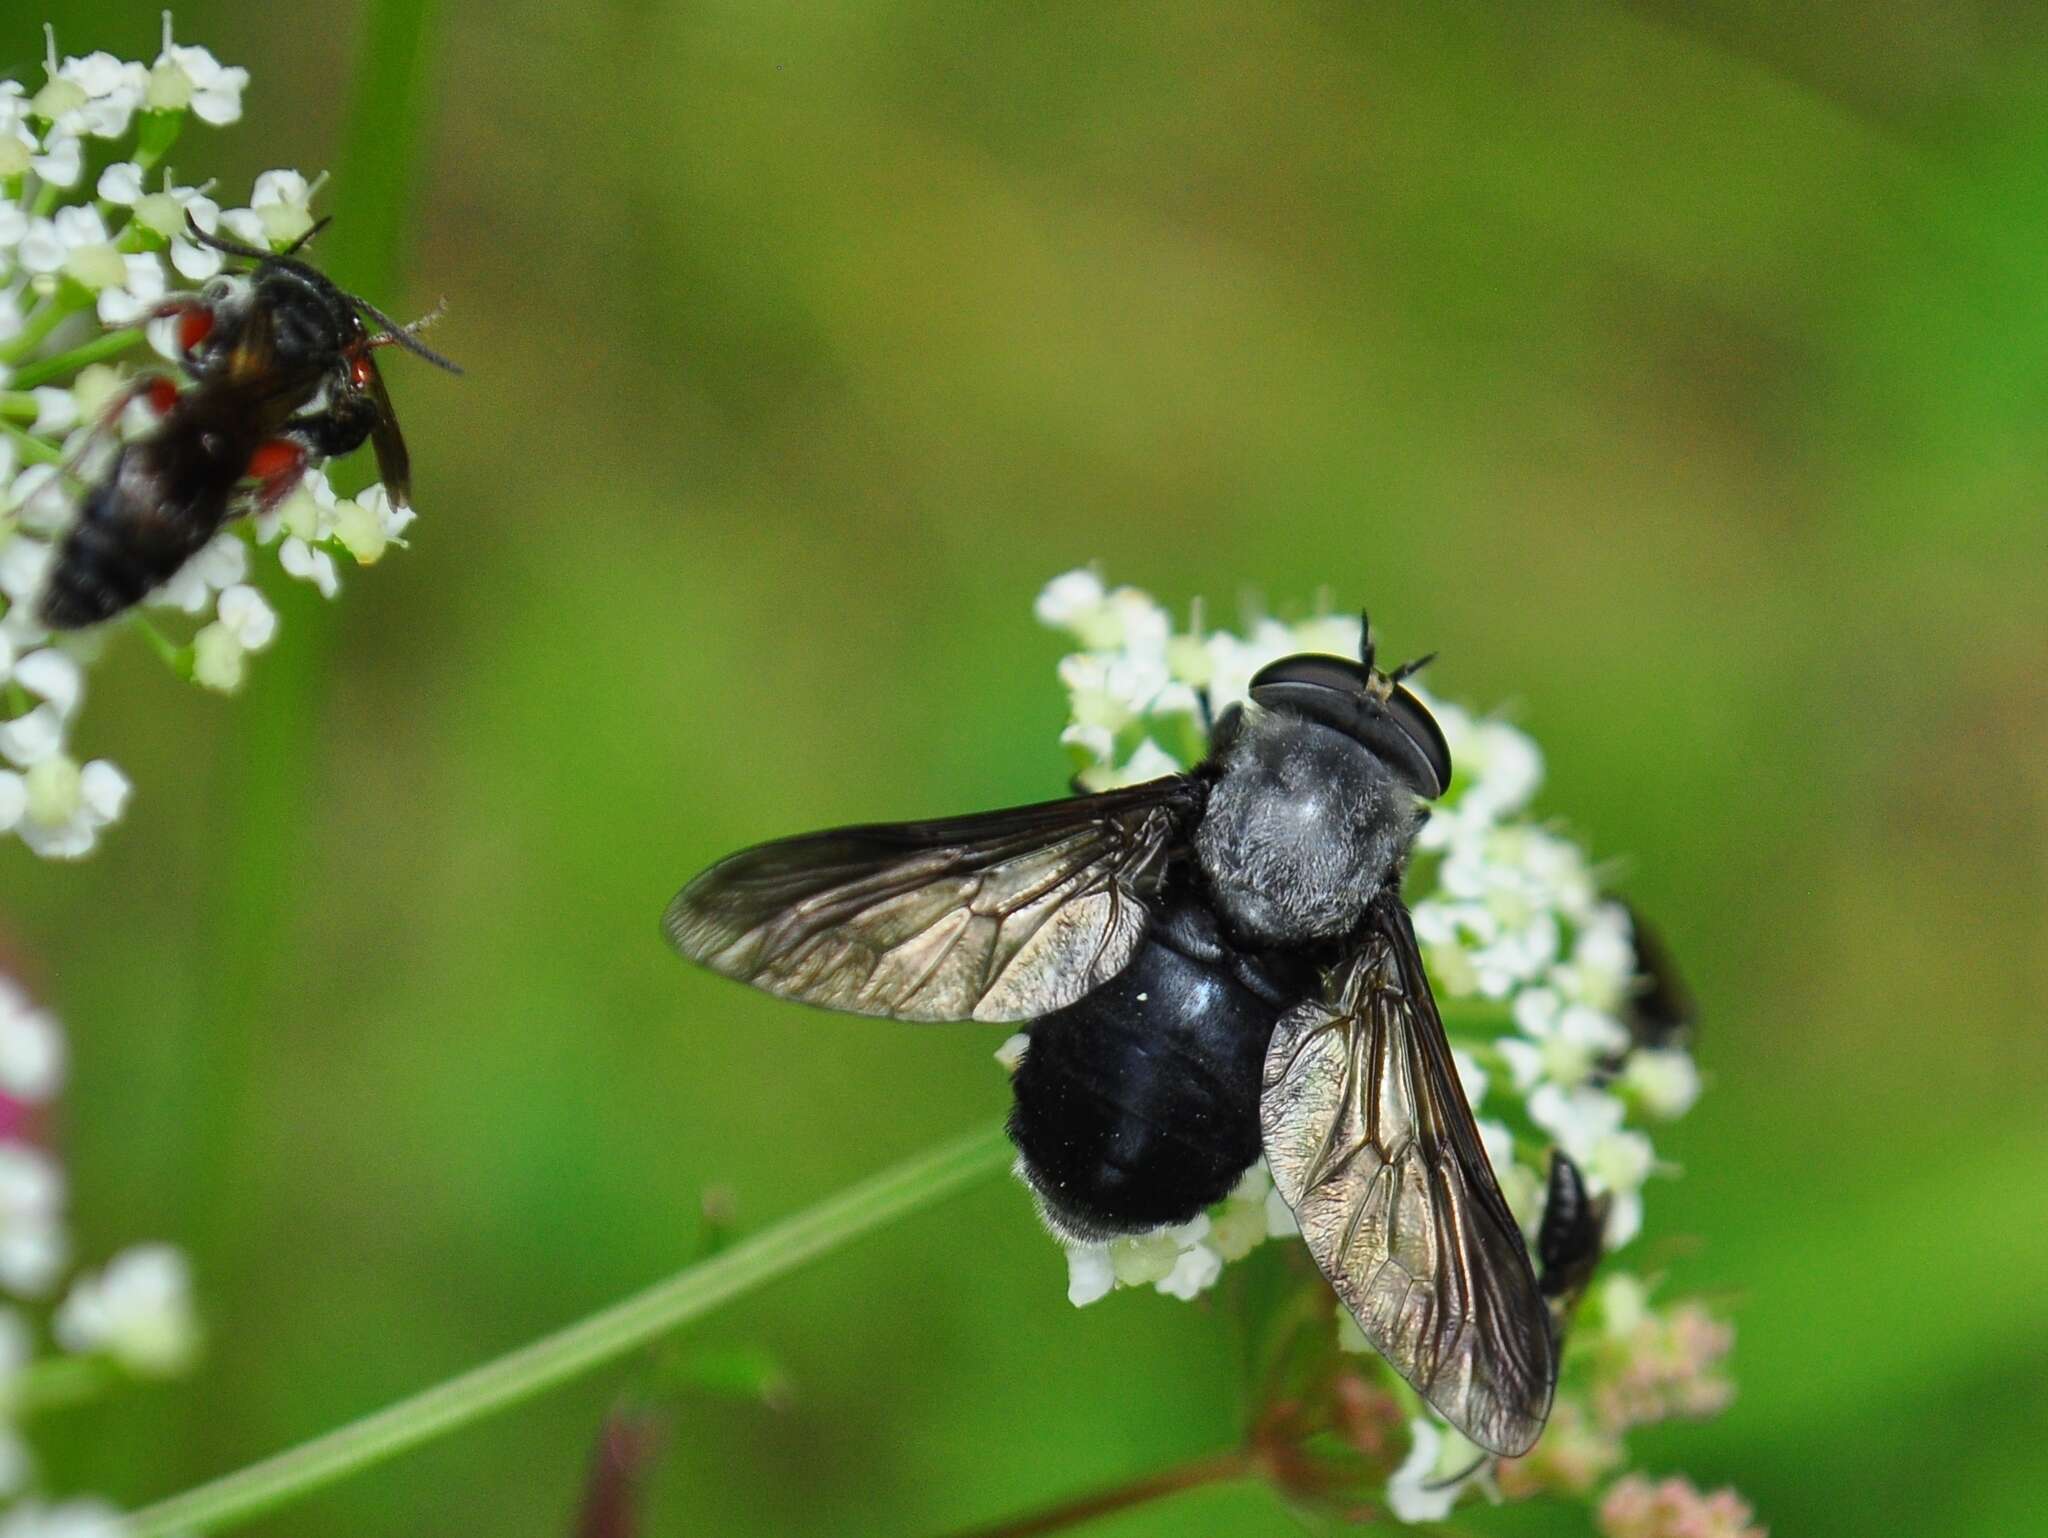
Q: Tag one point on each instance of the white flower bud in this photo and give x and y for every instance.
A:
(309, 565)
(106, 791)
(32, 1244)
(31, 1052)
(58, 98)
(282, 201)
(95, 390)
(218, 659)
(34, 738)
(54, 676)
(1090, 1275)
(360, 530)
(248, 617)
(169, 89)
(1143, 1259)
(1069, 599)
(1194, 1272)
(121, 184)
(1440, 1463)
(138, 1311)
(55, 791)
(1665, 1079)
(161, 213)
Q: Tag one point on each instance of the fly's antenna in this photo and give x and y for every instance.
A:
(407, 336)
(1365, 639)
(1410, 669)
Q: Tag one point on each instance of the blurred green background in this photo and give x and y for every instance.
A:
(1679, 372)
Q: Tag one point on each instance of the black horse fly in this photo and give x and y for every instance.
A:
(282, 374)
(1211, 966)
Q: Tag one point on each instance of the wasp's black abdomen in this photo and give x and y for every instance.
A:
(1139, 1105)
(159, 503)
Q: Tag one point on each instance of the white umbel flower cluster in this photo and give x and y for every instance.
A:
(93, 241)
(1534, 967)
(132, 1318)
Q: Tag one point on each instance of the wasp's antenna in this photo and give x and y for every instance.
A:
(1365, 639)
(232, 247)
(307, 239)
(1410, 669)
(227, 244)
(407, 336)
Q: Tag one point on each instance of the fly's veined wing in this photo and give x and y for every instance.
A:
(1003, 916)
(1371, 1143)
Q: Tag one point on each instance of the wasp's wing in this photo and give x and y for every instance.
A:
(1371, 1143)
(394, 464)
(1004, 916)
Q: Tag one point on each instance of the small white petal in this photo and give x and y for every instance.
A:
(1665, 1078)
(1411, 1495)
(121, 184)
(54, 676)
(219, 661)
(31, 1054)
(56, 412)
(248, 616)
(1280, 1219)
(138, 1311)
(1068, 598)
(33, 738)
(1193, 1273)
(105, 789)
(1089, 1274)
(223, 563)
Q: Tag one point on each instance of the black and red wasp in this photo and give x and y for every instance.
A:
(283, 375)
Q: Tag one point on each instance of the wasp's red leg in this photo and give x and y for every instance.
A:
(195, 320)
(160, 390)
(277, 467)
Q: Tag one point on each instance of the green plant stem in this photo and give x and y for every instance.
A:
(269, 802)
(45, 318)
(168, 651)
(31, 448)
(59, 1381)
(98, 350)
(590, 1343)
(1218, 1468)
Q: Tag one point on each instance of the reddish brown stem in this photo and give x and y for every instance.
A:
(1218, 1468)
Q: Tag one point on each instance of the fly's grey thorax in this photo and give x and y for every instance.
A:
(1302, 829)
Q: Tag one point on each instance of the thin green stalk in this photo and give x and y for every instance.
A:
(60, 1381)
(31, 448)
(98, 350)
(269, 804)
(593, 1342)
(168, 651)
(42, 320)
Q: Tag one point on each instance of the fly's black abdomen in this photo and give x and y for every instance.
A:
(1139, 1106)
(159, 503)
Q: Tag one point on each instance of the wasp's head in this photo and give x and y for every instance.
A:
(1366, 705)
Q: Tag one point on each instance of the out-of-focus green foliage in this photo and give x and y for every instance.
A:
(1680, 373)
